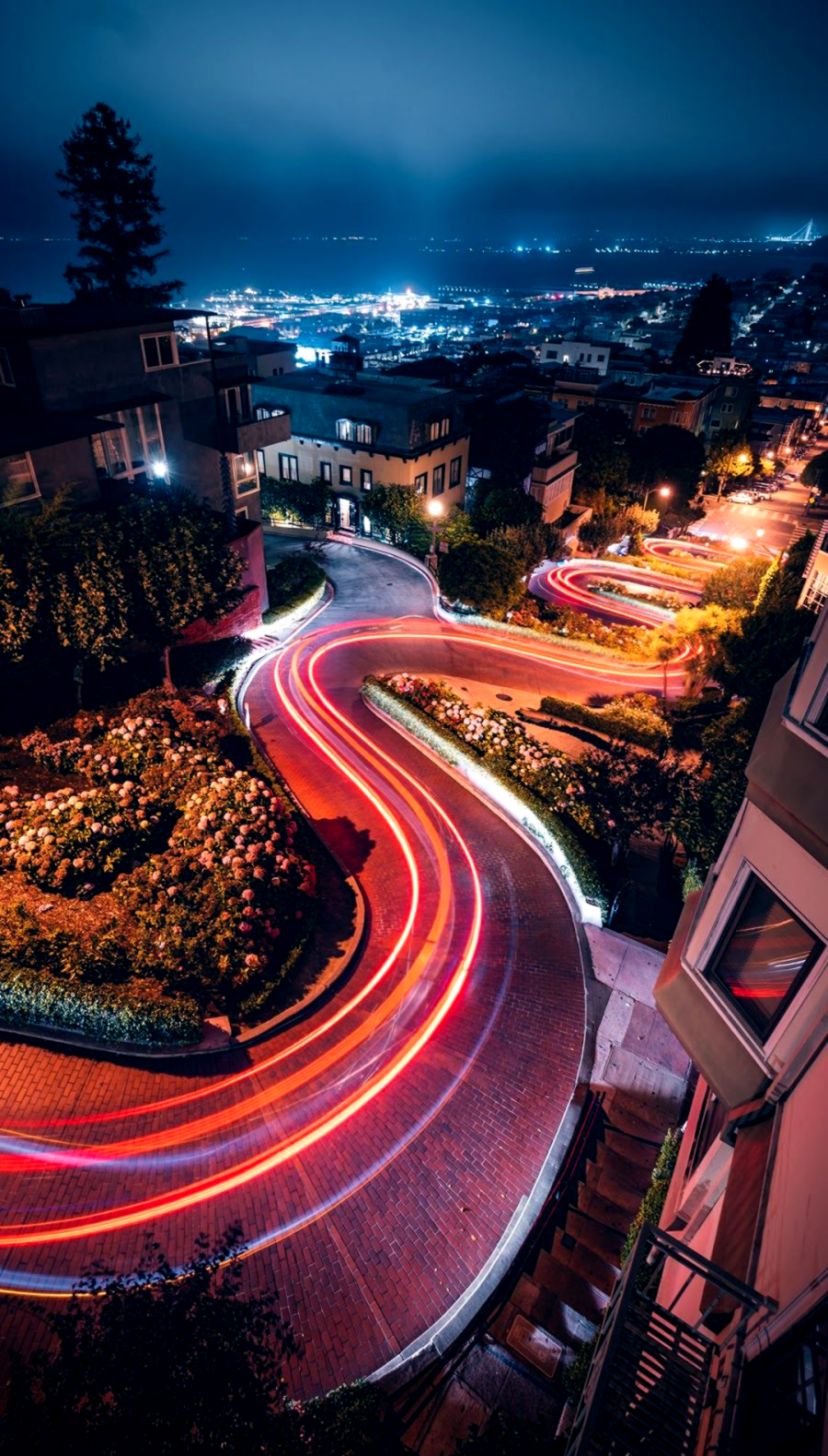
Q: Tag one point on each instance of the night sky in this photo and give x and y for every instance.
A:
(500, 118)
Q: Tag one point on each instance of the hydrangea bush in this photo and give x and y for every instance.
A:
(201, 857)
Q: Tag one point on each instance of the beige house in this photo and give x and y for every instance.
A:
(356, 430)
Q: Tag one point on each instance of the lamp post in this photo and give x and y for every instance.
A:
(664, 491)
(435, 510)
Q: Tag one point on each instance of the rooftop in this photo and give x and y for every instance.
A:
(387, 389)
(49, 320)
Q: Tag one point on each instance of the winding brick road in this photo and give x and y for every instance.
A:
(370, 1228)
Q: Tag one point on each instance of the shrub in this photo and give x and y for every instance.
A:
(635, 719)
(139, 1014)
(230, 884)
(291, 582)
(77, 842)
(528, 779)
(652, 1204)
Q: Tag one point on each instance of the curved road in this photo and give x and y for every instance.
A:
(375, 1152)
(572, 584)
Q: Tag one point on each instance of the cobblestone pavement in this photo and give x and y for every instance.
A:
(372, 1230)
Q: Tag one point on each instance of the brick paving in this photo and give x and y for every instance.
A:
(380, 1227)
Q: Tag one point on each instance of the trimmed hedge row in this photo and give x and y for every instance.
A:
(139, 1015)
(633, 723)
(577, 852)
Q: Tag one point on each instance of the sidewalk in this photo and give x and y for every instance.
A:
(516, 1362)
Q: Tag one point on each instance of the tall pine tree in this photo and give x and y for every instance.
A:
(708, 330)
(116, 210)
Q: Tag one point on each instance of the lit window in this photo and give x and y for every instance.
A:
(288, 467)
(325, 471)
(364, 434)
(454, 470)
(366, 479)
(765, 955)
(159, 351)
(438, 480)
(421, 483)
(346, 475)
(345, 430)
(6, 374)
(435, 430)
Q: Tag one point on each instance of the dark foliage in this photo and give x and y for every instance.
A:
(111, 185)
(708, 330)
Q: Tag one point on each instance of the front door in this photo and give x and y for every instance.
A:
(347, 521)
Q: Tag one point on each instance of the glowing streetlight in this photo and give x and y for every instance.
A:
(738, 543)
(159, 470)
(663, 491)
(435, 510)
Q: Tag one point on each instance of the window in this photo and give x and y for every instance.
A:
(821, 720)
(325, 471)
(764, 957)
(364, 434)
(454, 470)
(261, 463)
(235, 402)
(648, 412)
(346, 475)
(366, 479)
(241, 513)
(438, 480)
(159, 351)
(438, 428)
(17, 481)
(244, 473)
(600, 358)
(288, 467)
(6, 375)
(782, 1400)
(345, 430)
(421, 483)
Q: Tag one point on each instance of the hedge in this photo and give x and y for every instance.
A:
(295, 580)
(587, 873)
(139, 1015)
(634, 723)
(652, 1204)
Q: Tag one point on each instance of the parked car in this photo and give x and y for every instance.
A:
(742, 497)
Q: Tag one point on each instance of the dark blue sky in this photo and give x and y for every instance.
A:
(483, 117)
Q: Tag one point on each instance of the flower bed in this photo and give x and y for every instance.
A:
(546, 781)
(209, 894)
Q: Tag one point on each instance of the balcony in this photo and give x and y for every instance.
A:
(255, 431)
(654, 1375)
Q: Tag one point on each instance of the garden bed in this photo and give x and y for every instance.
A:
(543, 781)
(151, 878)
(295, 581)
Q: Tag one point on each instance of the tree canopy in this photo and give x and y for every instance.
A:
(815, 472)
(177, 1361)
(111, 185)
(708, 329)
(671, 455)
(483, 576)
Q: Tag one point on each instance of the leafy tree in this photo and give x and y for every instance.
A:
(180, 568)
(164, 1360)
(400, 513)
(111, 185)
(708, 329)
(625, 793)
(671, 454)
(88, 597)
(734, 585)
(308, 501)
(529, 545)
(702, 628)
(613, 519)
(815, 472)
(482, 576)
(602, 441)
(498, 503)
(457, 528)
(21, 585)
(730, 458)
(709, 796)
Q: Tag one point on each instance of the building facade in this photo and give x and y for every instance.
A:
(727, 1350)
(355, 430)
(553, 470)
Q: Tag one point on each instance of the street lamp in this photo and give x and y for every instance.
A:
(665, 491)
(738, 543)
(435, 510)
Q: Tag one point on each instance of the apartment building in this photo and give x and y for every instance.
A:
(554, 466)
(355, 429)
(577, 354)
(104, 398)
(716, 1338)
